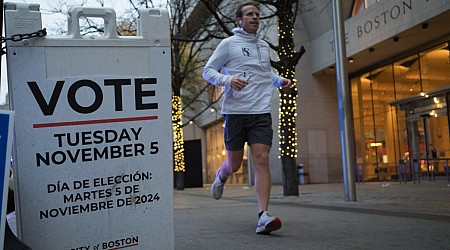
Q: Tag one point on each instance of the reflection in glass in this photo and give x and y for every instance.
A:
(387, 135)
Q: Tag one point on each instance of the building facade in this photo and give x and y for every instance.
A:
(399, 72)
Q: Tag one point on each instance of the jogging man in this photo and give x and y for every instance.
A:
(248, 78)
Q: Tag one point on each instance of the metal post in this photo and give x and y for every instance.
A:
(427, 155)
(447, 170)
(249, 167)
(345, 118)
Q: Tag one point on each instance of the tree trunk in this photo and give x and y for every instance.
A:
(288, 98)
(290, 176)
(178, 142)
(180, 180)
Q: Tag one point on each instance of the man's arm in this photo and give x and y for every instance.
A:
(217, 60)
(280, 82)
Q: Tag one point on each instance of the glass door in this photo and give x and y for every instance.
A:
(428, 142)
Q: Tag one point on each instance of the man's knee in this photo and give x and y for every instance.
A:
(260, 157)
(229, 167)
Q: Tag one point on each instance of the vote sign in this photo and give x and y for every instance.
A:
(93, 140)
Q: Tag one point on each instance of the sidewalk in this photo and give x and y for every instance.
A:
(385, 216)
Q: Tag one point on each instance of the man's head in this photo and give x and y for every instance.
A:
(247, 16)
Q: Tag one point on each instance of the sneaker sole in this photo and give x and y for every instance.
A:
(270, 227)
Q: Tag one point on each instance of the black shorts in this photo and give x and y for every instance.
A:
(247, 128)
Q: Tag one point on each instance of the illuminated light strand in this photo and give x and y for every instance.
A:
(287, 131)
(178, 141)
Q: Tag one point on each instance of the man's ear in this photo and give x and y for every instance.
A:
(239, 22)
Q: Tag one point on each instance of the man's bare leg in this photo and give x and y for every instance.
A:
(263, 180)
(229, 166)
(232, 164)
(263, 183)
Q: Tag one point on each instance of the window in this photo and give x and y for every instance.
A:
(385, 133)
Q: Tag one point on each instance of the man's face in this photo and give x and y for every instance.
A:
(250, 19)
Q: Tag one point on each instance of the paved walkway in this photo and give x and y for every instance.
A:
(385, 216)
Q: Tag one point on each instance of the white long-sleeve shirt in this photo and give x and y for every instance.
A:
(239, 55)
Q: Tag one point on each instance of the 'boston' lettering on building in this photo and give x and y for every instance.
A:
(384, 17)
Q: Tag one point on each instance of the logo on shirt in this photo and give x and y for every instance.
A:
(246, 51)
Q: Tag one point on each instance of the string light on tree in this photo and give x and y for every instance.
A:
(178, 142)
(288, 99)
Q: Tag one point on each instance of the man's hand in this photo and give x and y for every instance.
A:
(286, 83)
(238, 83)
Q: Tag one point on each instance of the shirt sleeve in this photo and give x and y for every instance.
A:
(276, 80)
(217, 60)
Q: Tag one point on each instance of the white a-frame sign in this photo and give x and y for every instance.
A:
(93, 134)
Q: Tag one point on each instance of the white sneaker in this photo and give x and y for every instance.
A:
(217, 186)
(267, 223)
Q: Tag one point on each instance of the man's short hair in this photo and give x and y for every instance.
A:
(239, 13)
